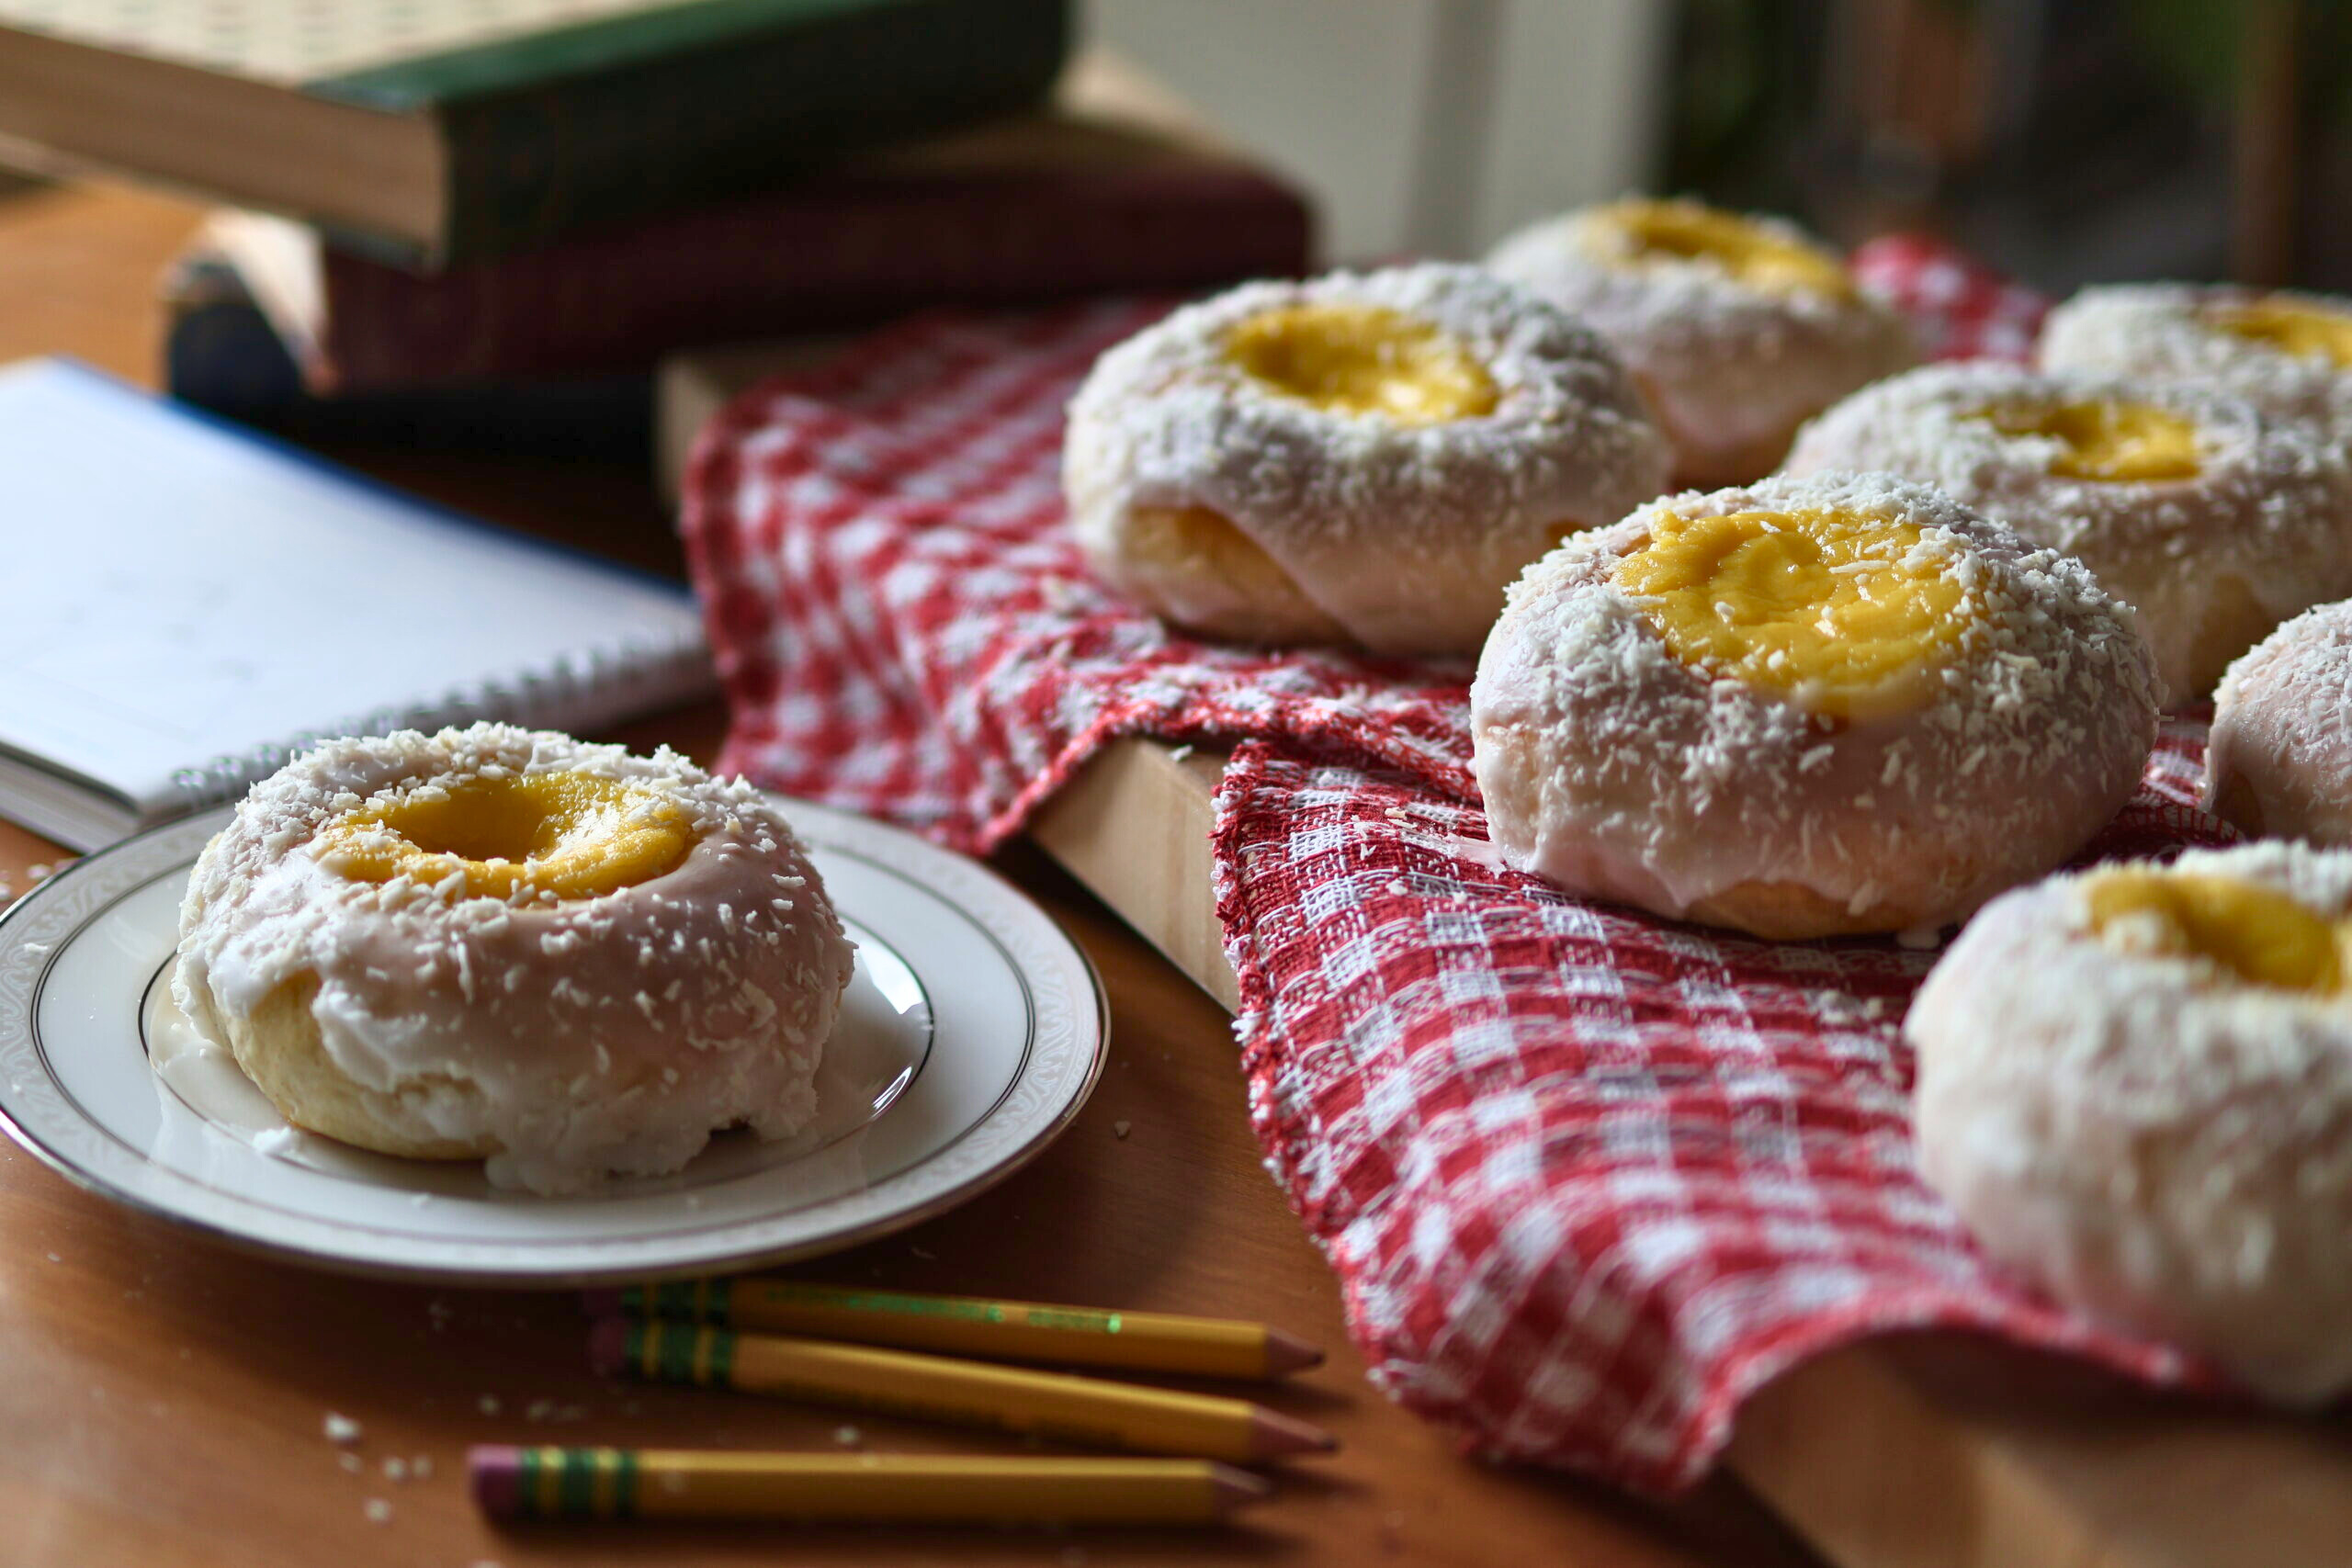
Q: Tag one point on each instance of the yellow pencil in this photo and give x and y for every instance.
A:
(973, 1325)
(967, 1393)
(623, 1483)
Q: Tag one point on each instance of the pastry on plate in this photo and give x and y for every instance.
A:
(506, 944)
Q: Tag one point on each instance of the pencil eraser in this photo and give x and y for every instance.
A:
(605, 1302)
(495, 1476)
(608, 1346)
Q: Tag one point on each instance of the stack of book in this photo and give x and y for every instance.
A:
(482, 222)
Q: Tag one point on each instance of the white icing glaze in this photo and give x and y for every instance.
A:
(2279, 761)
(205, 1075)
(1614, 770)
(1729, 367)
(2147, 1137)
(582, 1036)
(2268, 513)
(1402, 536)
(2158, 331)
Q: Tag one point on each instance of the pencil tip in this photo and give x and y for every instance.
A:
(1287, 1353)
(1273, 1433)
(1234, 1486)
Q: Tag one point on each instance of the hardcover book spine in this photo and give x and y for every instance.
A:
(532, 164)
(220, 353)
(824, 257)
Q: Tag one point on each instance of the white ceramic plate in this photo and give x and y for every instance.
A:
(971, 1035)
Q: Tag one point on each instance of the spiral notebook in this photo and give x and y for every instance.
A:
(183, 604)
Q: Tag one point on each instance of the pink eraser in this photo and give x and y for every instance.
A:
(608, 1346)
(494, 1475)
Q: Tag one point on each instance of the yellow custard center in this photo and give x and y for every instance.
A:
(1685, 231)
(1842, 613)
(2257, 934)
(2306, 330)
(1362, 359)
(574, 835)
(2116, 441)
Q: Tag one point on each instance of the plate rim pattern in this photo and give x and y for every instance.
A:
(1067, 1045)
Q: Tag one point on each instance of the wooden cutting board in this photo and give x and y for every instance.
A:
(1916, 1452)
(1926, 1451)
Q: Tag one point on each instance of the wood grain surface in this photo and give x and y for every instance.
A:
(1924, 1451)
(164, 1401)
(1918, 1454)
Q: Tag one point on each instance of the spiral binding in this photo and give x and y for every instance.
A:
(600, 681)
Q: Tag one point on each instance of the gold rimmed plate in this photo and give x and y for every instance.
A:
(971, 1035)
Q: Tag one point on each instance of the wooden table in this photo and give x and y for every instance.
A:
(163, 1401)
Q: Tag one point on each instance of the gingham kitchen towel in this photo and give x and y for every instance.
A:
(1587, 1178)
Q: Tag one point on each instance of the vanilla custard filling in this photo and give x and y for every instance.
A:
(2304, 331)
(2119, 443)
(1845, 614)
(574, 835)
(1656, 232)
(1362, 359)
(2250, 932)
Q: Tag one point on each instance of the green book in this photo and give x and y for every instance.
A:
(439, 130)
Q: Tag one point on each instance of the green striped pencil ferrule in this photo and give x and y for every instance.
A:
(685, 1301)
(679, 1352)
(557, 1484)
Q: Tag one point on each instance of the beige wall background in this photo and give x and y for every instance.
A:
(1431, 127)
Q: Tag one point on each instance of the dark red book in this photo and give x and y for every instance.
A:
(1022, 214)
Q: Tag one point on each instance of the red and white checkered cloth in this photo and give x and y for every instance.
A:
(1588, 1178)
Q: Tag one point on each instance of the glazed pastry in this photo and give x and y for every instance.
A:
(1738, 329)
(508, 943)
(1809, 708)
(2157, 1126)
(2289, 354)
(2212, 522)
(1364, 457)
(2279, 758)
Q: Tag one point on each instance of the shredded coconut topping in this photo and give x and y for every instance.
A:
(1729, 366)
(556, 1066)
(2280, 757)
(2161, 332)
(2150, 1140)
(2268, 513)
(1403, 537)
(1615, 770)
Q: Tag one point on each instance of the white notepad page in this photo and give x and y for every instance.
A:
(178, 603)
